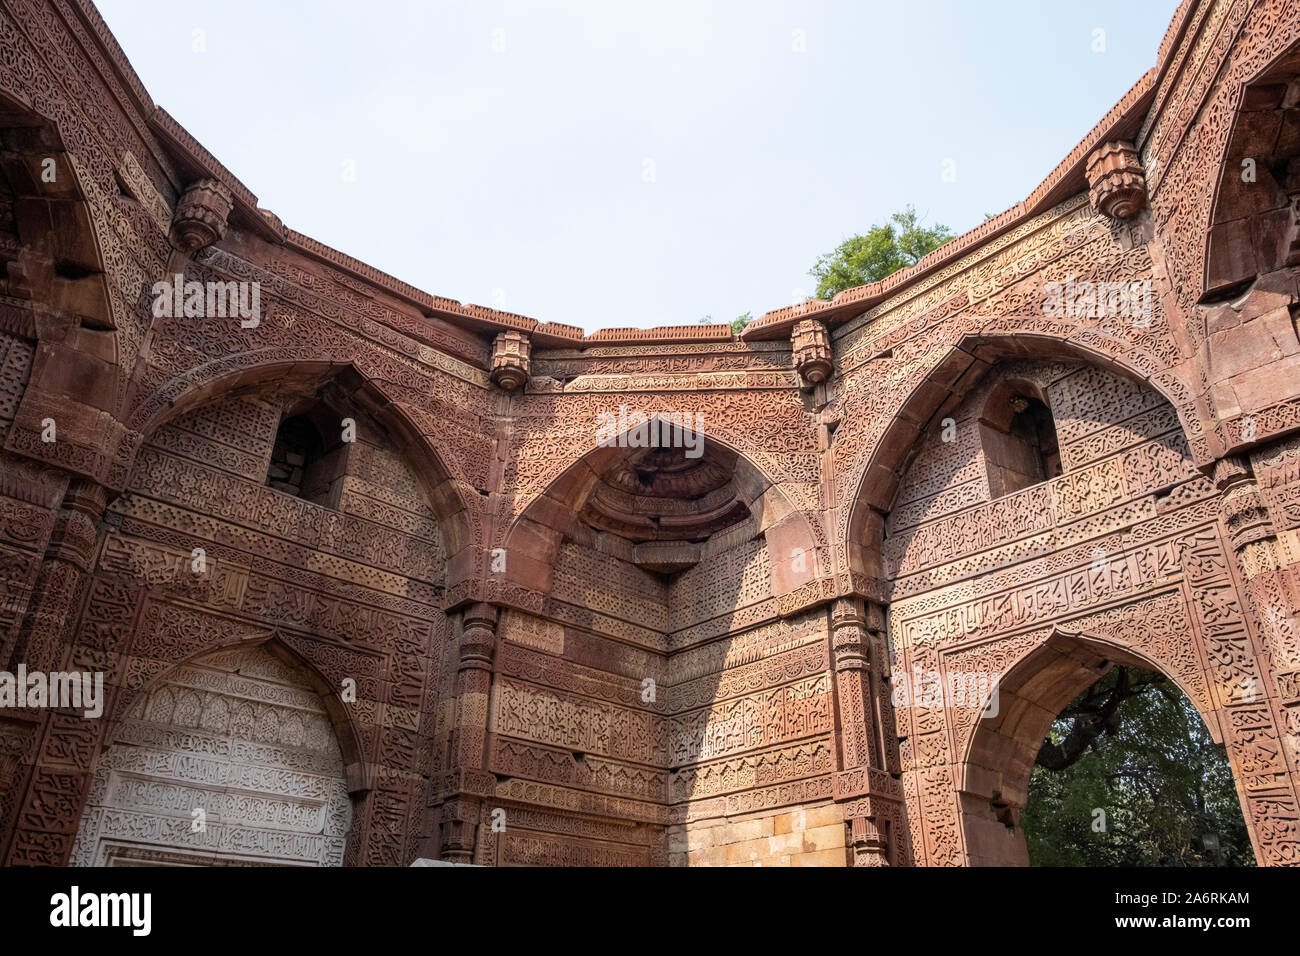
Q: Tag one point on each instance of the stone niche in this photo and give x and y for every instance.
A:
(228, 760)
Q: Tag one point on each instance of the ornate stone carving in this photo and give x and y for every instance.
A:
(690, 648)
(869, 845)
(511, 360)
(1244, 510)
(812, 351)
(231, 759)
(1116, 180)
(201, 215)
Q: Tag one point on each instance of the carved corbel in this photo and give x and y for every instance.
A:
(511, 360)
(1117, 183)
(201, 216)
(811, 345)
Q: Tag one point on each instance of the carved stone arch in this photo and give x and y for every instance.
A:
(238, 755)
(949, 380)
(1254, 225)
(53, 273)
(996, 753)
(60, 264)
(452, 501)
(707, 701)
(297, 655)
(532, 540)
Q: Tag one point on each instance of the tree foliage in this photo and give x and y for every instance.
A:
(1133, 747)
(737, 324)
(899, 243)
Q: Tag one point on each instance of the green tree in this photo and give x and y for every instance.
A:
(737, 324)
(897, 244)
(1133, 747)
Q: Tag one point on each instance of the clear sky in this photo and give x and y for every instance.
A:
(612, 163)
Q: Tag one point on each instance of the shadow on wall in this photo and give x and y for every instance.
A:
(282, 515)
(663, 570)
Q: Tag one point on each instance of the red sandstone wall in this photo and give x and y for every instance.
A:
(866, 546)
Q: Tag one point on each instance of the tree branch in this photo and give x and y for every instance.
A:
(1092, 716)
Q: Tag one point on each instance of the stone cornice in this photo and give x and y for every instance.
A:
(187, 154)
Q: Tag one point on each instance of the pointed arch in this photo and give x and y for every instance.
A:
(1253, 227)
(61, 265)
(962, 366)
(452, 501)
(342, 721)
(239, 754)
(998, 756)
(533, 538)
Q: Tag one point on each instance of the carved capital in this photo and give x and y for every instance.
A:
(849, 635)
(870, 848)
(201, 216)
(458, 823)
(511, 360)
(848, 612)
(812, 351)
(74, 536)
(1117, 182)
(1246, 516)
(1230, 471)
(478, 637)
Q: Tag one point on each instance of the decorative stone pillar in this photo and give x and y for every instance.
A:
(458, 822)
(870, 848)
(851, 648)
(44, 639)
(1117, 182)
(54, 780)
(1262, 724)
(812, 351)
(873, 794)
(460, 811)
(201, 216)
(511, 360)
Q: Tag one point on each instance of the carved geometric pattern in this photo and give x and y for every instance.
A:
(230, 759)
(614, 698)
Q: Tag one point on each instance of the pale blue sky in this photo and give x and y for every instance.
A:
(500, 147)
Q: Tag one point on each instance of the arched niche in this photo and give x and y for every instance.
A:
(230, 759)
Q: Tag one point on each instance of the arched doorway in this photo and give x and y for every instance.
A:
(228, 760)
(1125, 544)
(994, 779)
(1129, 775)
